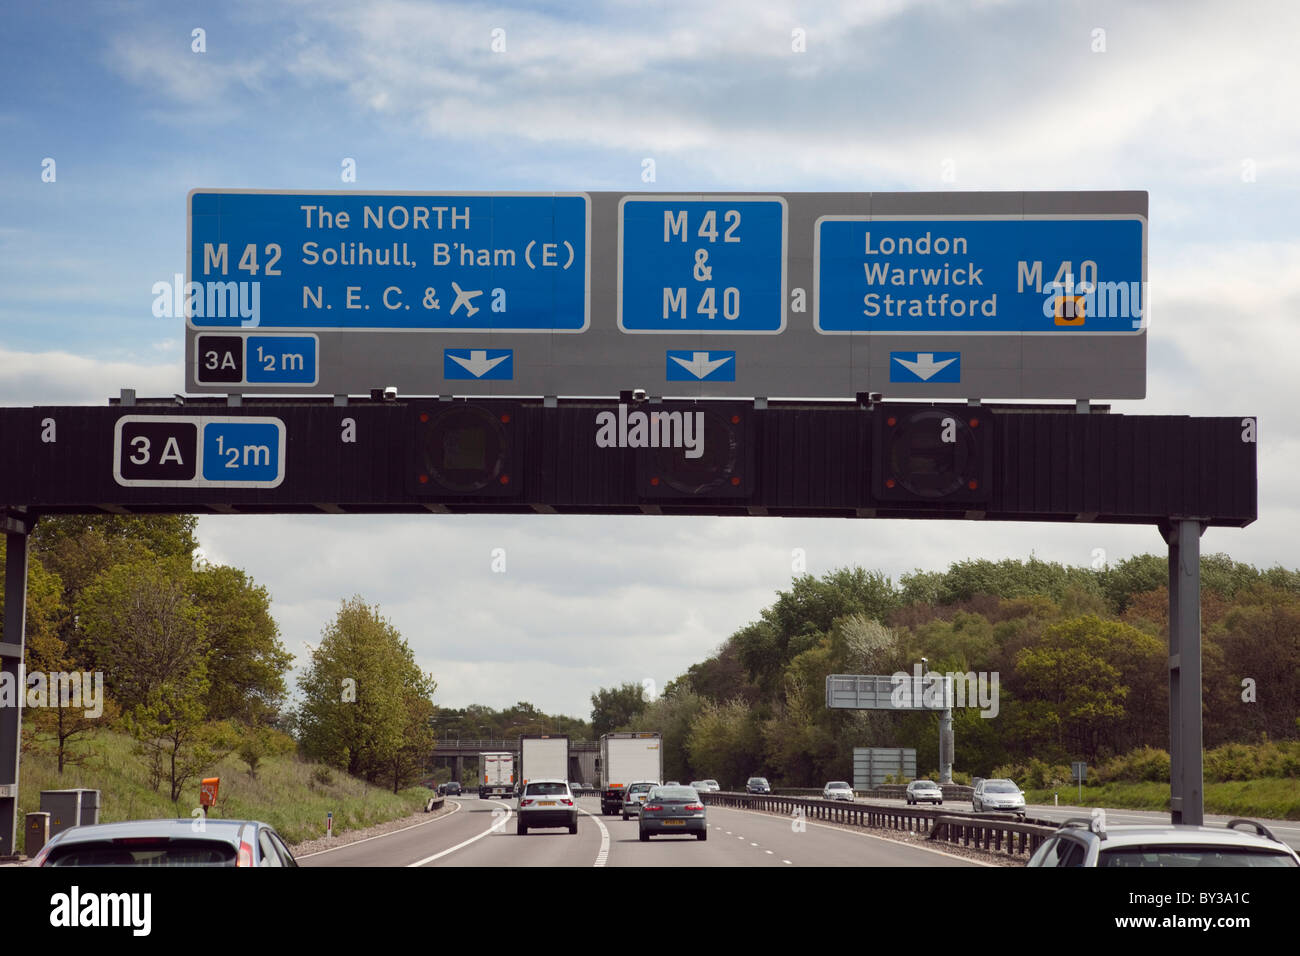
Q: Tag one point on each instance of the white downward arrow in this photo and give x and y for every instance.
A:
(478, 364)
(699, 365)
(925, 366)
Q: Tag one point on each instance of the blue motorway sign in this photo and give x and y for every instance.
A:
(186, 451)
(980, 275)
(702, 264)
(287, 261)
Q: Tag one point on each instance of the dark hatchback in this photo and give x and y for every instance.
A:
(670, 811)
(758, 785)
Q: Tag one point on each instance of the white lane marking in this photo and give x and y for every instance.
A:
(753, 844)
(872, 836)
(501, 821)
(768, 852)
(344, 846)
(603, 856)
(787, 861)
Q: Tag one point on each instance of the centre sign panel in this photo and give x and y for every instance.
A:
(799, 295)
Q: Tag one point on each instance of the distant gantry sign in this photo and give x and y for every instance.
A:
(1015, 295)
(899, 691)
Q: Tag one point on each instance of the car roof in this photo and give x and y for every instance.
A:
(533, 780)
(1175, 833)
(227, 831)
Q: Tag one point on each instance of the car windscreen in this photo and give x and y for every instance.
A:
(144, 853)
(1200, 856)
(837, 785)
(546, 789)
(1000, 786)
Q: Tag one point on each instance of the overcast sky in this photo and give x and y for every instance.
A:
(1194, 102)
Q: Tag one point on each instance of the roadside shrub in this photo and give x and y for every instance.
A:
(1146, 764)
(1035, 775)
(1253, 761)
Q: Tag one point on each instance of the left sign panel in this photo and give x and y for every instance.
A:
(189, 451)
(461, 262)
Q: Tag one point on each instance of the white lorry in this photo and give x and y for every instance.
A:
(626, 759)
(543, 757)
(496, 776)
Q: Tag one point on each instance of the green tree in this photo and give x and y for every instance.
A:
(81, 548)
(408, 760)
(141, 629)
(671, 715)
(358, 694)
(614, 707)
(172, 736)
(1070, 694)
(725, 742)
(1261, 650)
(247, 662)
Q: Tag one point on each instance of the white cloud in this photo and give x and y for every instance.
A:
(61, 378)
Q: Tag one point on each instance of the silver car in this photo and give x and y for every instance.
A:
(1163, 845)
(635, 795)
(999, 796)
(546, 803)
(167, 843)
(837, 790)
(927, 791)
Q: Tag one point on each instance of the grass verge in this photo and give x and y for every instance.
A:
(1272, 798)
(287, 792)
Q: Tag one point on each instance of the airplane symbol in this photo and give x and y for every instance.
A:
(462, 298)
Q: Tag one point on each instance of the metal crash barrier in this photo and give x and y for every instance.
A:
(984, 832)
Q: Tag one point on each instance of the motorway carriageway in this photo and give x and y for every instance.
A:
(482, 833)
